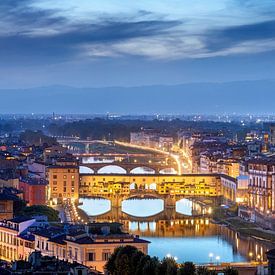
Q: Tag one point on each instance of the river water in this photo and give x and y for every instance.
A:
(177, 233)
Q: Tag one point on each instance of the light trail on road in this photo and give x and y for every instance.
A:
(174, 156)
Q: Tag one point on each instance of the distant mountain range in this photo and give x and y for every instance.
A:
(257, 97)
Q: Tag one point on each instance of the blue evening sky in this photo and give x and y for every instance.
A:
(133, 43)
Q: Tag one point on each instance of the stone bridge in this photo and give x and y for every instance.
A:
(128, 167)
(167, 214)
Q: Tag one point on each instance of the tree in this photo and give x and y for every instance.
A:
(151, 267)
(36, 138)
(230, 271)
(124, 261)
(188, 268)
(168, 266)
(202, 270)
(34, 210)
(111, 263)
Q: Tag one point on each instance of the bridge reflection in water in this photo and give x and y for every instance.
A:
(188, 238)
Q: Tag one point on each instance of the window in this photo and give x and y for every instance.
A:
(65, 177)
(91, 256)
(64, 189)
(54, 182)
(75, 253)
(73, 177)
(106, 256)
(55, 177)
(64, 183)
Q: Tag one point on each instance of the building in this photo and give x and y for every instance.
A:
(15, 243)
(63, 181)
(7, 199)
(261, 185)
(38, 168)
(34, 190)
(166, 142)
(153, 139)
(91, 245)
(39, 264)
(53, 152)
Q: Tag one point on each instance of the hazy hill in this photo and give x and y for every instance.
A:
(239, 97)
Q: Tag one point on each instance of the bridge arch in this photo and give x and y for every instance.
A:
(151, 206)
(112, 169)
(85, 170)
(168, 170)
(142, 170)
(95, 206)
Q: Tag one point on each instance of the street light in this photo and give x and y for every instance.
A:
(250, 255)
(218, 259)
(211, 255)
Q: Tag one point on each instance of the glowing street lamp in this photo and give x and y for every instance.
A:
(250, 255)
(211, 255)
(218, 259)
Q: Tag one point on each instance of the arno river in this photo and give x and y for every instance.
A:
(179, 233)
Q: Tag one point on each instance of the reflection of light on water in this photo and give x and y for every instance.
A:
(133, 226)
(152, 226)
(94, 207)
(143, 207)
(143, 226)
(189, 239)
(194, 249)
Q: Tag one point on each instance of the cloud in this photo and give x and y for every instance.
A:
(68, 43)
(229, 37)
(19, 15)
(35, 35)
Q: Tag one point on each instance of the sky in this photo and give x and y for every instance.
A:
(98, 43)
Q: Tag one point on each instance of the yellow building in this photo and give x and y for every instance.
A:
(108, 184)
(63, 183)
(14, 244)
(84, 246)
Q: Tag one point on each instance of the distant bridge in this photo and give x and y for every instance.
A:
(128, 167)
